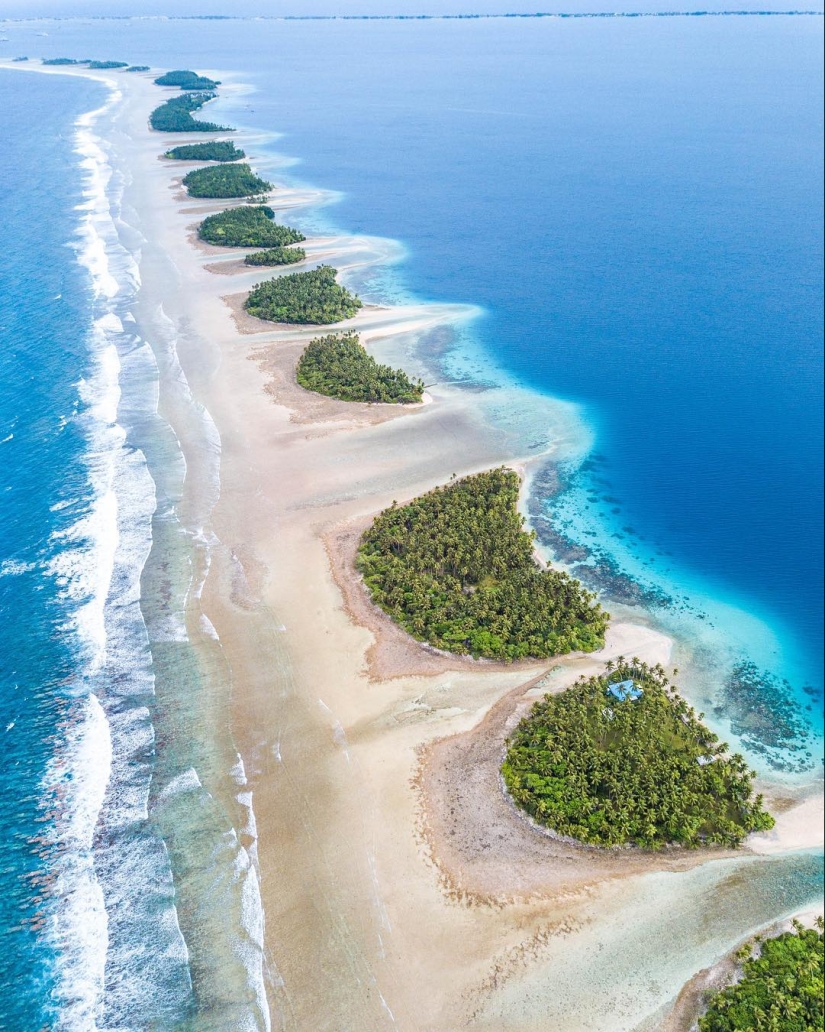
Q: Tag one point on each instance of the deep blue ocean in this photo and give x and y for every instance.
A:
(636, 207)
(46, 324)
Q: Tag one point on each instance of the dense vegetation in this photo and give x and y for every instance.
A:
(782, 987)
(340, 367)
(247, 226)
(276, 256)
(187, 80)
(303, 297)
(219, 150)
(456, 569)
(175, 115)
(645, 772)
(225, 181)
(138, 68)
(97, 65)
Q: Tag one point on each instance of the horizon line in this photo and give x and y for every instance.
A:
(798, 12)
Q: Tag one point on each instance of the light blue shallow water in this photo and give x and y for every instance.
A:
(636, 207)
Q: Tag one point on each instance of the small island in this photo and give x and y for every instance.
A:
(312, 298)
(247, 226)
(340, 367)
(781, 986)
(456, 568)
(186, 79)
(107, 65)
(219, 150)
(225, 181)
(175, 115)
(276, 256)
(623, 760)
(137, 68)
(62, 61)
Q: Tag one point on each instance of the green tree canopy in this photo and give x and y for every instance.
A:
(303, 297)
(225, 181)
(340, 367)
(276, 256)
(213, 150)
(456, 568)
(187, 80)
(247, 226)
(782, 988)
(175, 115)
(645, 771)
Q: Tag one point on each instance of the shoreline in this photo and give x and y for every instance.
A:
(358, 727)
(691, 1001)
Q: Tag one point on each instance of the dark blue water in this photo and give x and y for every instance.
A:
(45, 322)
(637, 207)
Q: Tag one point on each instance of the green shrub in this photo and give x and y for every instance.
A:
(782, 988)
(456, 569)
(175, 115)
(303, 297)
(247, 226)
(225, 181)
(276, 256)
(643, 771)
(219, 150)
(340, 367)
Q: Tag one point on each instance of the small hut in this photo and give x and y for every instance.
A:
(624, 690)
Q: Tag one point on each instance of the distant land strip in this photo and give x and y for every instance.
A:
(515, 14)
(432, 17)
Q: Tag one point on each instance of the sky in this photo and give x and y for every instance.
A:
(253, 8)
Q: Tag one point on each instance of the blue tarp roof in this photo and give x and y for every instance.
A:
(624, 690)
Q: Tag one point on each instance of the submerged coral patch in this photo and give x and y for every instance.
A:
(765, 714)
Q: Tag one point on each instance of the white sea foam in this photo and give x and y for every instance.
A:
(76, 780)
(133, 960)
(137, 961)
(13, 568)
(82, 563)
(208, 627)
(188, 781)
(252, 911)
